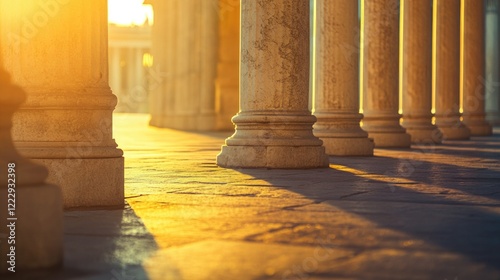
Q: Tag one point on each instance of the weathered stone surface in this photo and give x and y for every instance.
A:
(65, 123)
(380, 72)
(274, 125)
(337, 80)
(446, 42)
(416, 76)
(473, 67)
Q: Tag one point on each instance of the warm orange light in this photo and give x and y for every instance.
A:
(147, 60)
(129, 12)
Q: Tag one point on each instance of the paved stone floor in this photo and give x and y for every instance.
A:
(430, 213)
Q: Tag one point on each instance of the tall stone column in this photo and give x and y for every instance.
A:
(492, 62)
(227, 83)
(416, 73)
(380, 62)
(30, 209)
(274, 125)
(473, 67)
(492, 57)
(337, 83)
(57, 51)
(185, 64)
(446, 40)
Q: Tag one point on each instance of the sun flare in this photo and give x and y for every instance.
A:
(129, 12)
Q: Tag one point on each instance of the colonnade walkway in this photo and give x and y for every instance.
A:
(431, 213)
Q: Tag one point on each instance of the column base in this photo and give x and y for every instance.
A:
(88, 182)
(390, 139)
(38, 228)
(286, 157)
(348, 146)
(455, 133)
(479, 128)
(493, 119)
(425, 135)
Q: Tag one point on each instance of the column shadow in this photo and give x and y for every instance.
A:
(101, 244)
(455, 224)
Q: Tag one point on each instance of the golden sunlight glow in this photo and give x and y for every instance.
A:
(434, 56)
(129, 12)
(147, 60)
(462, 35)
(361, 56)
(313, 56)
(401, 57)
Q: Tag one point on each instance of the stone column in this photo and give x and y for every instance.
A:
(416, 24)
(274, 126)
(473, 67)
(446, 40)
(337, 83)
(227, 83)
(492, 62)
(185, 63)
(380, 62)
(32, 206)
(162, 82)
(58, 53)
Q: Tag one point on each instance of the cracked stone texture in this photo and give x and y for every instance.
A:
(416, 213)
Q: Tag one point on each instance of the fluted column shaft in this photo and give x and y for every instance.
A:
(492, 62)
(446, 40)
(380, 74)
(417, 71)
(66, 123)
(337, 82)
(274, 126)
(473, 67)
(185, 61)
(227, 83)
(31, 209)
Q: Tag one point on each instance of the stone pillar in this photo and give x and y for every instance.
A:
(473, 67)
(227, 83)
(380, 61)
(446, 40)
(274, 125)
(492, 62)
(162, 82)
(57, 51)
(185, 63)
(416, 72)
(337, 83)
(33, 207)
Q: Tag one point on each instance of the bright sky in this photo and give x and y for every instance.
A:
(129, 12)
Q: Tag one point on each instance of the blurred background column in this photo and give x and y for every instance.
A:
(473, 67)
(227, 83)
(66, 122)
(492, 62)
(417, 71)
(446, 42)
(184, 48)
(274, 125)
(337, 83)
(380, 74)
